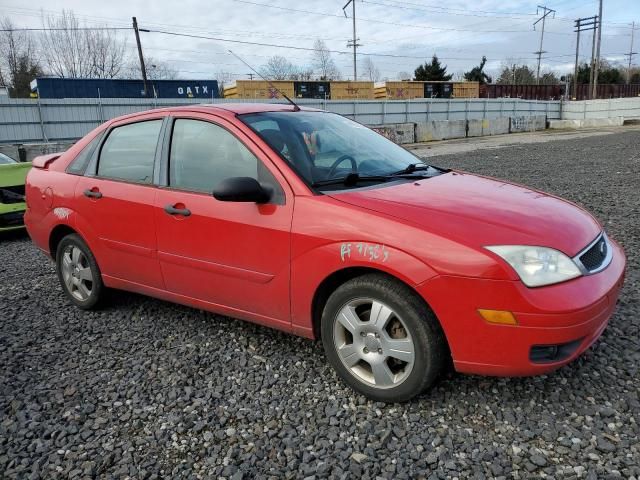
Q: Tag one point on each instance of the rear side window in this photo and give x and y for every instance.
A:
(79, 164)
(203, 154)
(129, 152)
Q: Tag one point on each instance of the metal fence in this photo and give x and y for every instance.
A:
(611, 108)
(29, 120)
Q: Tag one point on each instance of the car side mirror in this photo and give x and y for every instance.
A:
(241, 189)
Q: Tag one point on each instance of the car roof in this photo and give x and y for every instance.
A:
(224, 109)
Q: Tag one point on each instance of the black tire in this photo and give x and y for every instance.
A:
(431, 353)
(97, 291)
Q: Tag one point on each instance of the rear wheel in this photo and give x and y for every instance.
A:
(382, 339)
(78, 272)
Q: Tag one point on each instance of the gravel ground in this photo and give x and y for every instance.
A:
(147, 389)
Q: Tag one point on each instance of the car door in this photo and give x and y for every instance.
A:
(230, 254)
(115, 202)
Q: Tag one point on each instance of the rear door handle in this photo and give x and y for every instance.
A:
(92, 193)
(172, 210)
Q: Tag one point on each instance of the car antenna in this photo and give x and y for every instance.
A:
(296, 108)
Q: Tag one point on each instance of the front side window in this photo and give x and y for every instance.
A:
(203, 154)
(129, 152)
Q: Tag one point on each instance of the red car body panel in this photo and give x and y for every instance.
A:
(265, 263)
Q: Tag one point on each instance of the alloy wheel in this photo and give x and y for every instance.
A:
(374, 343)
(76, 273)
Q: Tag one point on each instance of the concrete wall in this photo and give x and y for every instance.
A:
(586, 123)
(527, 124)
(481, 128)
(399, 133)
(440, 130)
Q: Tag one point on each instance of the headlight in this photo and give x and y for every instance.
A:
(538, 266)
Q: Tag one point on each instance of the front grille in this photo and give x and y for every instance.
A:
(12, 194)
(12, 219)
(593, 258)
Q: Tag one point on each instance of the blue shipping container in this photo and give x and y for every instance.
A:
(107, 88)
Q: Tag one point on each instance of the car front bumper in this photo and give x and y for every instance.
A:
(11, 216)
(562, 320)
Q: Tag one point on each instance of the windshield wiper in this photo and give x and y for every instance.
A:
(412, 167)
(350, 180)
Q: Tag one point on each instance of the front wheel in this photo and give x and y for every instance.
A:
(382, 339)
(78, 272)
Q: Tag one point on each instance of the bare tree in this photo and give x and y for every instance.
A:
(223, 78)
(159, 70)
(107, 53)
(323, 64)
(369, 70)
(18, 62)
(404, 76)
(303, 74)
(156, 69)
(70, 50)
(279, 68)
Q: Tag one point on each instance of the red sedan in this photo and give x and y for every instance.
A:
(308, 222)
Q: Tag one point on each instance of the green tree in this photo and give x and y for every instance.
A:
(477, 74)
(433, 71)
(607, 73)
(24, 72)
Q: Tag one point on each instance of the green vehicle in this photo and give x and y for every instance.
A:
(12, 179)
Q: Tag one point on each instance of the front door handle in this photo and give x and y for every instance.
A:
(172, 210)
(93, 193)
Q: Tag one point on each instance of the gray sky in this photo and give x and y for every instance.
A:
(458, 31)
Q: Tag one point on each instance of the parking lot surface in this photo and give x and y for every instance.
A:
(147, 389)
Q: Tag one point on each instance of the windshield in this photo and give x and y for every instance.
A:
(322, 146)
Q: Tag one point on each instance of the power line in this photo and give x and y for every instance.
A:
(74, 29)
(445, 11)
(371, 20)
(292, 47)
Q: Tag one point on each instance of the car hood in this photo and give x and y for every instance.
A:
(480, 211)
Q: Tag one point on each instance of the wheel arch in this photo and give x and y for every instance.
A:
(338, 278)
(57, 234)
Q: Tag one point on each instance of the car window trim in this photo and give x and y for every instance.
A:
(92, 167)
(163, 182)
(95, 148)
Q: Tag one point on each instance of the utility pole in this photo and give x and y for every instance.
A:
(250, 76)
(142, 68)
(545, 11)
(353, 43)
(593, 58)
(581, 25)
(594, 91)
(631, 53)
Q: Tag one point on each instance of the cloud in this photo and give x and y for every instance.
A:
(460, 32)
